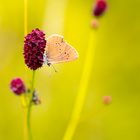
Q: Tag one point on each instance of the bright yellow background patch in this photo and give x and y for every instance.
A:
(115, 70)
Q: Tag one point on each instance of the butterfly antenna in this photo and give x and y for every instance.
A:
(54, 68)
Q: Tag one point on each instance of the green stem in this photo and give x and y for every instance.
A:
(30, 108)
(29, 123)
(83, 88)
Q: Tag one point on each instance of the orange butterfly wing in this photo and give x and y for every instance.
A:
(58, 51)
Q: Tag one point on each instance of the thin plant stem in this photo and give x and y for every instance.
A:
(25, 17)
(83, 87)
(25, 123)
(24, 99)
(27, 111)
(30, 107)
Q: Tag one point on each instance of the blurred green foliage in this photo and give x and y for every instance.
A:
(116, 70)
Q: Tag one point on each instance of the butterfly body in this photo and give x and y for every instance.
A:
(58, 51)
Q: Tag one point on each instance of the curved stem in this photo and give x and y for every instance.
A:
(27, 108)
(27, 112)
(29, 123)
(25, 123)
(83, 87)
(30, 107)
(25, 17)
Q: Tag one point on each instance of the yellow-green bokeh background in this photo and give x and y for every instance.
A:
(115, 70)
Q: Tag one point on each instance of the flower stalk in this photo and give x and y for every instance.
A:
(27, 110)
(83, 87)
(30, 107)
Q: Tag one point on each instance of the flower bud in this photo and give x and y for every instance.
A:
(94, 24)
(17, 86)
(99, 8)
(107, 100)
(34, 48)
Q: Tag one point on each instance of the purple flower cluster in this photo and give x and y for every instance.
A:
(34, 47)
(99, 8)
(17, 86)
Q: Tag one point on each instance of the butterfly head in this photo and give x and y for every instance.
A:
(46, 60)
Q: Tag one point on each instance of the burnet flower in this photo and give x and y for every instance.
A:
(94, 24)
(107, 100)
(99, 8)
(17, 86)
(35, 55)
(34, 48)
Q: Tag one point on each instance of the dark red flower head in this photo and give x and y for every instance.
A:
(99, 8)
(17, 86)
(34, 47)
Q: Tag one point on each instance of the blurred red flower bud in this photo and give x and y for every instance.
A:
(94, 24)
(99, 8)
(17, 86)
(107, 100)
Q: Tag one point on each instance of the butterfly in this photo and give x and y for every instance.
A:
(58, 50)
